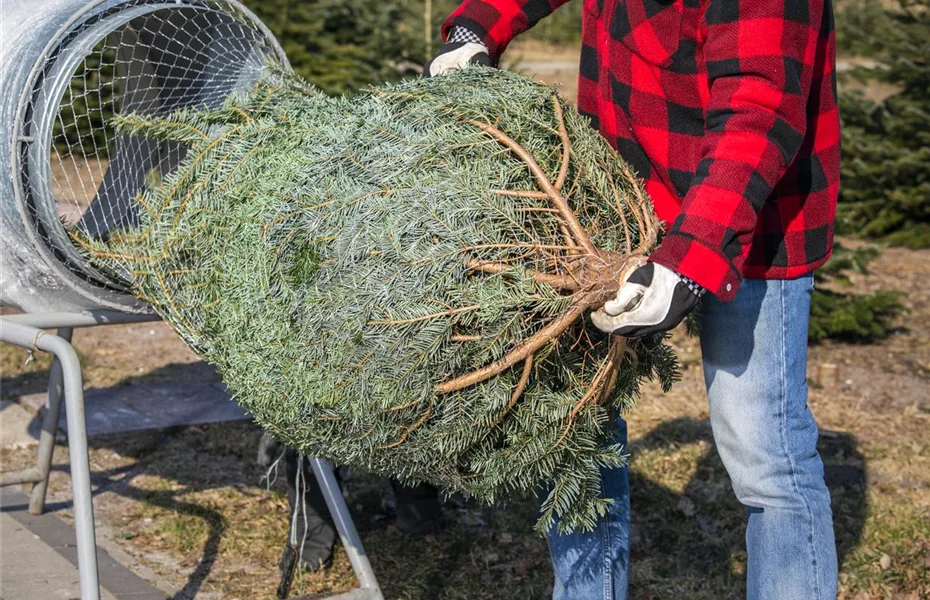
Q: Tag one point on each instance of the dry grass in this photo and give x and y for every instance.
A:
(187, 504)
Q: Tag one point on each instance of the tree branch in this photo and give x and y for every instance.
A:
(553, 330)
(571, 221)
(566, 144)
(561, 282)
(447, 313)
(517, 391)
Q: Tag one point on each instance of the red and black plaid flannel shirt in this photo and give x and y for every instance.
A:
(726, 108)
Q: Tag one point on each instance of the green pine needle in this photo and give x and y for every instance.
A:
(315, 250)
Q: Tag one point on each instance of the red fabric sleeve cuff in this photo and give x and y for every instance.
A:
(708, 268)
(484, 21)
(446, 28)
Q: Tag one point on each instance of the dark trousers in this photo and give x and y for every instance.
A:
(311, 525)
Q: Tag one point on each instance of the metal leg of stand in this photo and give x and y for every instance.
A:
(49, 430)
(368, 583)
(73, 386)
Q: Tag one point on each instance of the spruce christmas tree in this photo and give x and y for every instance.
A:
(885, 179)
(341, 46)
(836, 313)
(399, 280)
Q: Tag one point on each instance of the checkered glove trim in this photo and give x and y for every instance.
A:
(694, 286)
(463, 35)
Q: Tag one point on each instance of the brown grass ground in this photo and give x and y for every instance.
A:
(187, 507)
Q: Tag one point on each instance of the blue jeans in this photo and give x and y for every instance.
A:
(755, 361)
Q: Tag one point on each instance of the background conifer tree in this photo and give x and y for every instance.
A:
(342, 46)
(885, 181)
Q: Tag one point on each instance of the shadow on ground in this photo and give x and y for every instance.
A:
(689, 540)
(697, 535)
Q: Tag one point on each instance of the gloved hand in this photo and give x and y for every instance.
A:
(653, 299)
(461, 48)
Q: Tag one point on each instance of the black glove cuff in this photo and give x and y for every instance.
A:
(696, 288)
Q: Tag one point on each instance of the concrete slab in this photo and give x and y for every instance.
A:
(149, 406)
(32, 569)
(38, 559)
(186, 404)
(18, 427)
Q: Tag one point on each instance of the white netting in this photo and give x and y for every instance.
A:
(143, 56)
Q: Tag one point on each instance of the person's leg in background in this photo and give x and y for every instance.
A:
(418, 508)
(312, 527)
(755, 360)
(596, 565)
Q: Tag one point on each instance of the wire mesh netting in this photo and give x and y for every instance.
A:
(136, 57)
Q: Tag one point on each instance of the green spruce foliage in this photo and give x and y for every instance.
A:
(342, 46)
(838, 312)
(400, 280)
(885, 181)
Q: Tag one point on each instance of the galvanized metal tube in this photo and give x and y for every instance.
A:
(41, 43)
(86, 319)
(49, 430)
(351, 543)
(73, 385)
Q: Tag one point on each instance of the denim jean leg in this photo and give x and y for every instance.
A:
(755, 359)
(595, 565)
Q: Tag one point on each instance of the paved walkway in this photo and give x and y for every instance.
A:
(38, 560)
(37, 555)
(32, 569)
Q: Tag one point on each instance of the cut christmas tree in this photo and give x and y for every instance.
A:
(399, 280)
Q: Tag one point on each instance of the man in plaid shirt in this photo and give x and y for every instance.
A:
(727, 109)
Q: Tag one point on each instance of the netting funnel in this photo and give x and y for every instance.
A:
(70, 66)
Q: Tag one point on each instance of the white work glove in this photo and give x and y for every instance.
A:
(462, 48)
(652, 300)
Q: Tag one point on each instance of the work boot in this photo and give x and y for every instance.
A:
(269, 450)
(315, 531)
(311, 534)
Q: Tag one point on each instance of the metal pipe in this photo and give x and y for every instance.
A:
(351, 543)
(27, 475)
(357, 594)
(88, 319)
(73, 385)
(65, 377)
(49, 430)
(41, 44)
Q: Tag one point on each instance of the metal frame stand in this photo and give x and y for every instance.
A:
(66, 379)
(368, 584)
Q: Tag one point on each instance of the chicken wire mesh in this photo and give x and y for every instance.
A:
(139, 57)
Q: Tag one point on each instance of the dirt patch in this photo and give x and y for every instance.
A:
(189, 509)
(75, 179)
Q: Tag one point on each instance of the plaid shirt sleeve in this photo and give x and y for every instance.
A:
(497, 22)
(759, 56)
